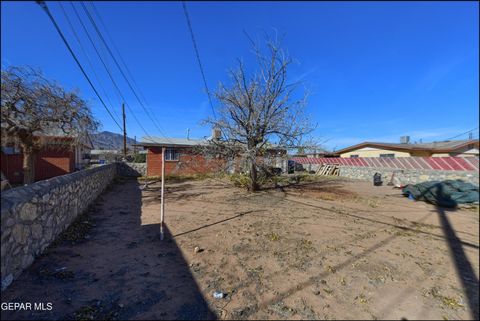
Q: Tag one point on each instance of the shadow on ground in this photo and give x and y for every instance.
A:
(463, 266)
(119, 269)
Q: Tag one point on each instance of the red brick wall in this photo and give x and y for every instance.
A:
(11, 165)
(188, 163)
(54, 162)
(48, 163)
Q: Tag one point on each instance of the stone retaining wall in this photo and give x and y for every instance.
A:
(407, 176)
(33, 216)
(131, 169)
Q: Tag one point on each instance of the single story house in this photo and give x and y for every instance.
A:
(319, 152)
(183, 156)
(58, 156)
(458, 148)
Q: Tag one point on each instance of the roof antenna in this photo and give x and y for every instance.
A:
(188, 133)
(470, 135)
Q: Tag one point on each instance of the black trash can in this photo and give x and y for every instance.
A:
(377, 179)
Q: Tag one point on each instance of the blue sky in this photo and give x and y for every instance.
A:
(376, 70)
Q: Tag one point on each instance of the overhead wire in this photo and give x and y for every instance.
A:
(44, 6)
(72, 28)
(197, 54)
(97, 14)
(92, 21)
(471, 130)
(107, 70)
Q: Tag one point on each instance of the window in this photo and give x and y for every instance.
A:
(387, 155)
(11, 150)
(171, 154)
(353, 156)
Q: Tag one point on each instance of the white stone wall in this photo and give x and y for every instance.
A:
(33, 216)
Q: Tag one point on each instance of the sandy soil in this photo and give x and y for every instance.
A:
(333, 249)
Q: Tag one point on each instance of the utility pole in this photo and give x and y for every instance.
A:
(162, 204)
(135, 144)
(124, 132)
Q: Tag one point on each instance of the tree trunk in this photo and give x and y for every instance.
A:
(253, 177)
(28, 166)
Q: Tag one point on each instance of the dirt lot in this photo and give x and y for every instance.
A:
(332, 249)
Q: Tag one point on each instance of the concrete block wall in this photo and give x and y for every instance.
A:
(33, 216)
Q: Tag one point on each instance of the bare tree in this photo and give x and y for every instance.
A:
(260, 110)
(34, 108)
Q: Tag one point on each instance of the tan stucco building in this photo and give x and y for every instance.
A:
(458, 148)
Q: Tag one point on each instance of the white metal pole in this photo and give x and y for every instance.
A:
(162, 194)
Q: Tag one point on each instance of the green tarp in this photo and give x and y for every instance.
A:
(447, 193)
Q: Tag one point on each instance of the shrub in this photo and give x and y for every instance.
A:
(240, 180)
(139, 158)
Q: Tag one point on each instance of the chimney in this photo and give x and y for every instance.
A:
(405, 140)
(216, 133)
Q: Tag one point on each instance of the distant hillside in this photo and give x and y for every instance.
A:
(109, 140)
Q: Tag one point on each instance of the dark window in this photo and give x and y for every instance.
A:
(353, 156)
(387, 155)
(171, 154)
(11, 150)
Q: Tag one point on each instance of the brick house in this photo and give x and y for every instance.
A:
(183, 158)
(59, 156)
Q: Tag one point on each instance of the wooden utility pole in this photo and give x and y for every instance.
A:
(124, 132)
(162, 204)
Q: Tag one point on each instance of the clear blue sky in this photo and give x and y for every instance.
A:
(376, 70)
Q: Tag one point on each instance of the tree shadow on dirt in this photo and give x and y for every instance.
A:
(317, 278)
(296, 183)
(217, 222)
(118, 270)
(462, 264)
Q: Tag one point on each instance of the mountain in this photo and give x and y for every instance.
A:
(109, 140)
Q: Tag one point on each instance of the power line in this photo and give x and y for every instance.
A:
(107, 69)
(44, 6)
(97, 13)
(154, 120)
(471, 130)
(119, 68)
(198, 56)
(105, 64)
(86, 55)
